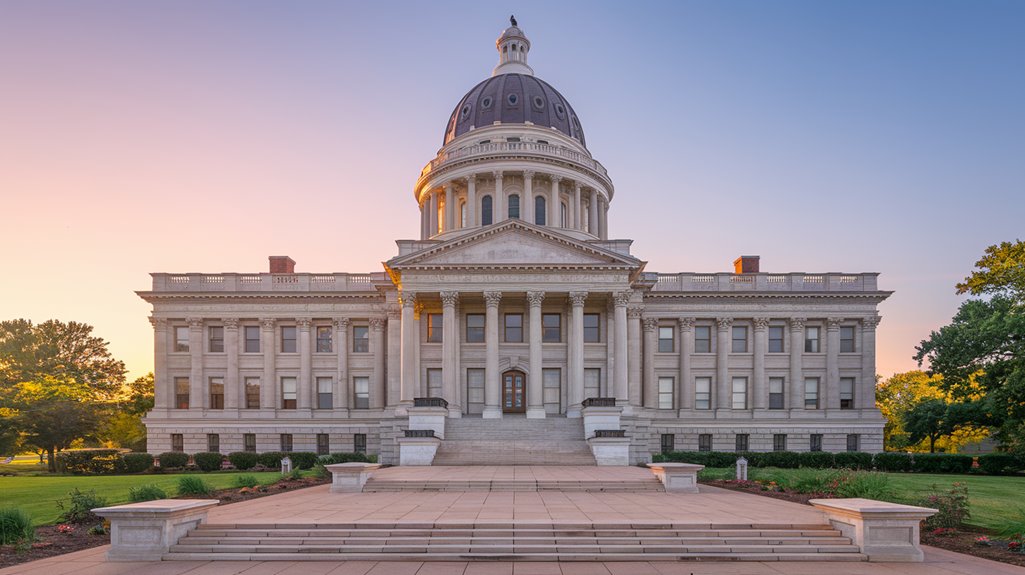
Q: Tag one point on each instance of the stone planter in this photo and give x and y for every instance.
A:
(146, 531)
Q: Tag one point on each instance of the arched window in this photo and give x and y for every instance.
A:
(462, 214)
(442, 224)
(485, 211)
(539, 210)
(514, 206)
(563, 215)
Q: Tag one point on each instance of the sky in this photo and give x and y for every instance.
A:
(204, 136)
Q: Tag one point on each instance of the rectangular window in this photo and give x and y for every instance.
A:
(739, 400)
(323, 444)
(325, 393)
(434, 327)
(739, 339)
(181, 392)
(181, 338)
(846, 339)
(811, 393)
(434, 383)
(514, 328)
(361, 389)
(775, 339)
(592, 328)
(743, 440)
(665, 339)
(702, 339)
(359, 443)
(216, 393)
(288, 342)
(286, 443)
(811, 339)
(705, 442)
(776, 393)
(665, 392)
(325, 335)
(846, 393)
(252, 338)
(289, 393)
(249, 442)
(551, 383)
(252, 393)
(177, 442)
(592, 382)
(853, 442)
(779, 442)
(551, 327)
(703, 393)
(215, 339)
(816, 442)
(474, 328)
(668, 443)
(213, 443)
(475, 390)
(360, 339)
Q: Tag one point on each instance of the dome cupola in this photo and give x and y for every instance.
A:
(513, 48)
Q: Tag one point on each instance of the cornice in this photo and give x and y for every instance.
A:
(874, 296)
(171, 296)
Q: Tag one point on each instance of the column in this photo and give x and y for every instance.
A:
(197, 387)
(450, 207)
(305, 364)
(162, 392)
(578, 220)
(419, 385)
(865, 394)
(650, 394)
(685, 388)
(233, 394)
(499, 206)
(831, 393)
(425, 231)
(620, 384)
(492, 379)
(342, 391)
(605, 221)
(449, 369)
(394, 370)
(410, 331)
(722, 363)
(796, 369)
(592, 213)
(576, 354)
(554, 205)
(634, 360)
(471, 200)
(761, 343)
(377, 349)
(527, 207)
(268, 385)
(535, 385)
(435, 227)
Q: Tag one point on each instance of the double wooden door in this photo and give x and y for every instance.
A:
(514, 392)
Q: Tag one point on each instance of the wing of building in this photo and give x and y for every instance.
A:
(517, 310)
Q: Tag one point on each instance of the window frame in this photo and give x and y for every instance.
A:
(330, 394)
(736, 342)
(246, 385)
(211, 340)
(742, 443)
(213, 443)
(361, 399)
(249, 442)
(178, 344)
(592, 333)
(848, 345)
(487, 210)
(666, 397)
(286, 443)
(216, 399)
(812, 397)
(706, 329)
(435, 333)
(666, 344)
(667, 442)
(178, 395)
(853, 442)
(323, 444)
(847, 402)
(782, 339)
(782, 393)
(475, 333)
(815, 442)
(779, 442)
(289, 342)
(812, 344)
(547, 330)
(361, 338)
(698, 393)
(286, 401)
(742, 393)
(704, 442)
(516, 331)
(359, 442)
(319, 346)
(246, 340)
(178, 443)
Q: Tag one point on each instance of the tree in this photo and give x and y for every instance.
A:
(897, 396)
(122, 421)
(927, 420)
(1001, 272)
(53, 412)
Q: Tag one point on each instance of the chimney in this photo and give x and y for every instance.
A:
(281, 265)
(746, 265)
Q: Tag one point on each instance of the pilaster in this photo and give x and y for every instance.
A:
(650, 326)
(620, 383)
(162, 392)
(685, 388)
(305, 363)
(342, 391)
(796, 366)
(634, 360)
(377, 388)
(866, 392)
(722, 363)
(831, 399)
(761, 343)
(197, 387)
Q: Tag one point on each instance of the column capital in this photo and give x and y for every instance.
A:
(230, 323)
(195, 322)
(634, 312)
(871, 322)
(498, 175)
(158, 322)
(535, 298)
(418, 308)
(555, 180)
(833, 323)
(650, 323)
(268, 323)
(797, 322)
(377, 323)
(472, 178)
(577, 185)
(577, 298)
(492, 298)
(304, 323)
(686, 324)
(622, 298)
(341, 322)
(447, 186)
(407, 299)
(528, 174)
(761, 323)
(449, 298)
(724, 323)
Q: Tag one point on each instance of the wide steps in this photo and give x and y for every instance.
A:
(514, 440)
(384, 485)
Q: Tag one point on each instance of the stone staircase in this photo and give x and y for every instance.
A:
(383, 485)
(515, 541)
(514, 440)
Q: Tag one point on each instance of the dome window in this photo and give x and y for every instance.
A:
(486, 102)
(539, 103)
(486, 216)
(539, 210)
(514, 207)
(560, 111)
(512, 99)
(465, 113)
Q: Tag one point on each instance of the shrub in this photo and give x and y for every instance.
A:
(246, 481)
(942, 463)
(173, 460)
(79, 508)
(271, 459)
(893, 461)
(90, 462)
(192, 485)
(320, 471)
(146, 493)
(243, 460)
(999, 464)
(15, 526)
(781, 459)
(816, 459)
(346, 457)
(809, 480)
(137, 462)
(865, 484)
(208, 461)
(303, 459)
(952, 505)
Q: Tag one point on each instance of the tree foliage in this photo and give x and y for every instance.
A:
(52, 413)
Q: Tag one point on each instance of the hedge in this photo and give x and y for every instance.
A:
(346, 458)
(1000, 464)
(894, 461)
(173, 460)
(270, 459)
(90, 462)
(993, 464)
(303, 459)
(853, 460)
(137, 462)
(941, 463)
(208, 461)
(243, 460)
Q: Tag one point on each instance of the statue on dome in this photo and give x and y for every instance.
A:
(512, 19)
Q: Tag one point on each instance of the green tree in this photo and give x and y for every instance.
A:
(928, 420)
(52, 413)
(897, 396)
(122, 421)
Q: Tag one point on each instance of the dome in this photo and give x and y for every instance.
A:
(514, 99)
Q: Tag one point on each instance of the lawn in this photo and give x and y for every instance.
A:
(38, 495)
(994, 500)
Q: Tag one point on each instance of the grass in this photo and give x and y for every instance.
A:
(38, 496)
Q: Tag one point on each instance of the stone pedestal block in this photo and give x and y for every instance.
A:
(600, 418)
(884, 531)
(677, 477)
(418, 450)
(146, 531)
(610, 450)
(350, 477)
(428, 418)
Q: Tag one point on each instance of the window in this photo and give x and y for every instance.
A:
(475, 390)
(288, 342)
(739, 339)
(592, 382)
(811, 393)
(668, 443)
(216, 393)
(323, 444)
(324, 339)
(213, 443)
(592, 328)
(702, 339)
(435, 384)
(252, 393)
(514, 327)
(846, 393)
(325, 393)
(288, 393)
(359, 443)
(361, 387)
(514, 206)
(846, 339)
(252, 338)
(215, 339)
(853, 442)
(474, 328)
(816, 442)
(779, 442)
(665, 392)
(286, 442)
(177, 442)
(739, 393)
(360, 339)
(703, 393)
(181, 392)
(249, 442)
(776, 393)
(539, 210)
(551, 385)
(434, 327)
(181, 338)
(705, 442)
(462, 214)
(551, 327)
(811, 340)
(775, 339)
(565, 212)
(665, 339)
(743, 440)
(486, 217)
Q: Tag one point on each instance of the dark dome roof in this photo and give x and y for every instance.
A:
(514, 99)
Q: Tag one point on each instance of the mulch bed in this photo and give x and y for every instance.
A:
(50, 542)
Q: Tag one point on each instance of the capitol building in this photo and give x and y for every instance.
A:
(514, 326)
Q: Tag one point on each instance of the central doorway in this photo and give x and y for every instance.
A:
(514, 399)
